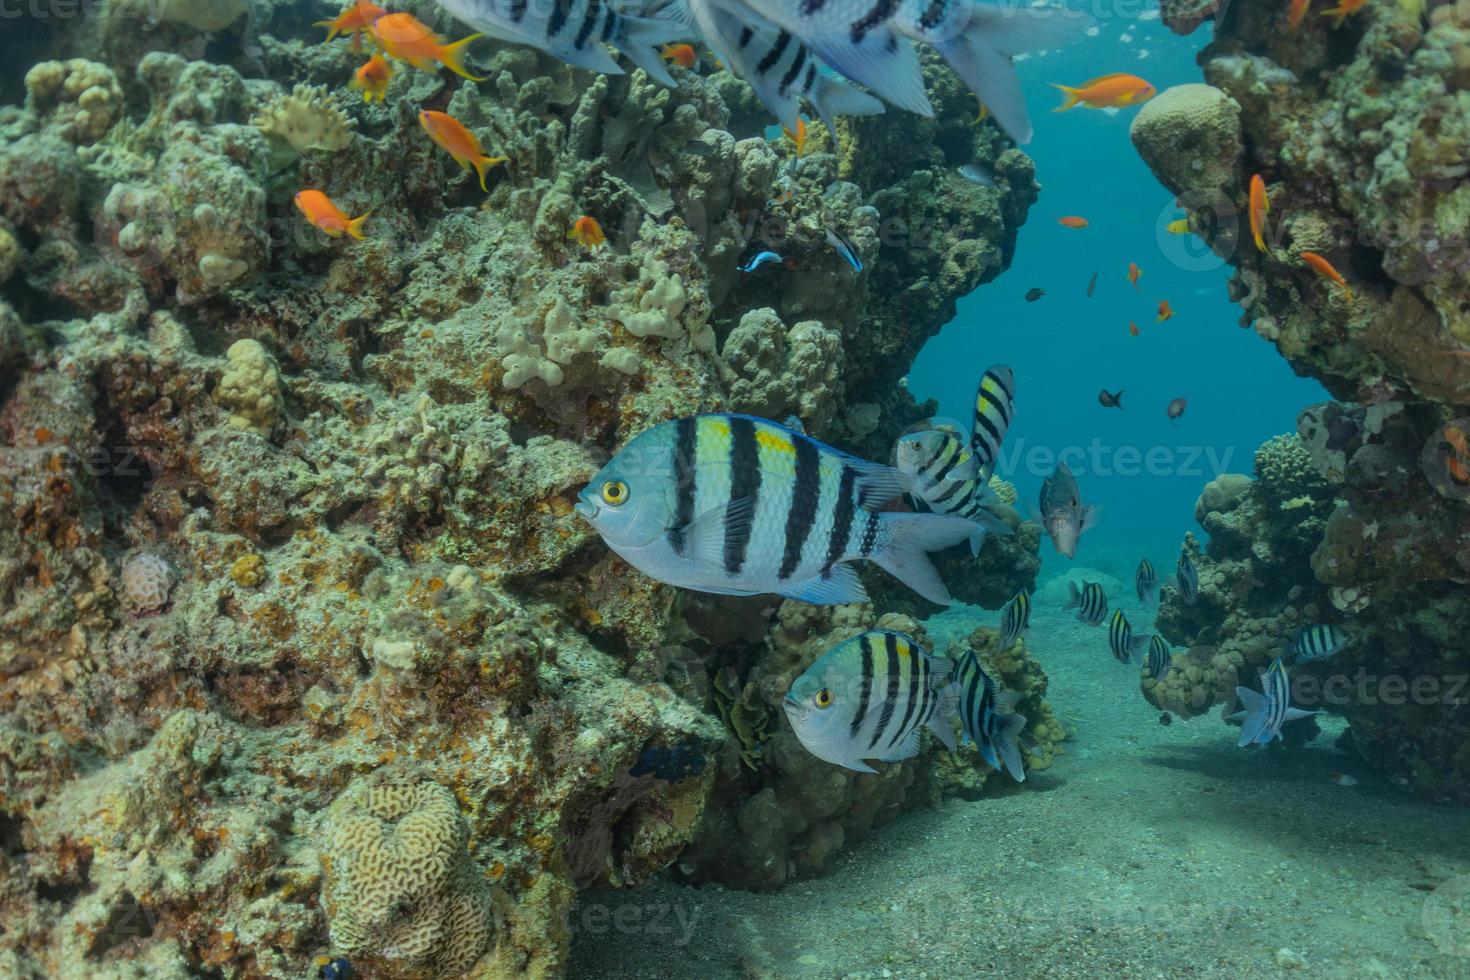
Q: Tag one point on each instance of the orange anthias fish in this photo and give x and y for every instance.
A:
(373, 79)
(1165, 311)
(354, 20)
(797, 138)
(322, 212)
(405, 37)
(1133, 273)
(1324, 269)
(1072, 221)
(459, 143)
(1459, 472)
(1133, 328)
(1343, 10)
(587, 232)
(682, 55)
(1295, 12)
(1106, 92)
(1260, 206)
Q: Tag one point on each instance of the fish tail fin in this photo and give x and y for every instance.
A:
(453, 57)
(1070, 97)
(1118, 398)
(332, 29)
(354, 226)
(1137, 649)
(1075, 596)
(1008, 747)
(981, 55)
(483, 164)
(642, 39)
(941, 723)
(832, 98)
(905, 547)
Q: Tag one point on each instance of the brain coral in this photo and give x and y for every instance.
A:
(1189, 136)
(401, 890)
(146, 583)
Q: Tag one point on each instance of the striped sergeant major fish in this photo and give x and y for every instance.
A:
(1318, 643)
(945, 479)
(576, 31)
(995, 399)
(1126, 647)
(1014, 619)
(1160, 657)
(988, 718)
(1146, 581)
(1090, 601)
(1186, 579)
(779, 68)
(868, 697)
(868, 41)
(1063, 513)
(1263, 713)
(738, 505)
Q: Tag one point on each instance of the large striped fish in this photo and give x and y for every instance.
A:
(1263, 713)
(989, 722)
(946, 481)
(1318, 643)
(577, 30)
(742, 506)
(867, 698)
(995, 399)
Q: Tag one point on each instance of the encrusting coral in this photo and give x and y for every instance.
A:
(250, 387)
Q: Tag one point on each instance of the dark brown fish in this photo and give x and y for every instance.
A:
(1091, 285)
(1176, 409)
(1110, 401)
(1032, 295)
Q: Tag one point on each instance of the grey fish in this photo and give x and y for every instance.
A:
(868, 697)
(1014, 619)
(1091, 602)
(1091, 285)
(977, 174)
(1145, 580)
(1262, 714)
(1160, 657)
(1318, 643)
(1035, 293)
(1126, 647)
(987, 714)
(738, 505)
(1186, 580)
(1063, 514)
(946, 481)
(1107, 400)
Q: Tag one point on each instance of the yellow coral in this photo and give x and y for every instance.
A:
(307, 119)
(248, 571)
(250, 388)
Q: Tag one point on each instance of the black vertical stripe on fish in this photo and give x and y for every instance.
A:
(890, 697)
(841, 520)
(1001, 400)
(933, 14)
(809, 7)
(794, 70)
(745, 481)
(610, 26)
(928, 697)
(865, 691)
(558, 19)
(745, 35)
(920, 679)
(517, 10)
(870, 534)
(810, 79)
(990, 429)
(956, 487)
(685, 434)
(774, 55)
(589, 23)
(882, 11)
(806, 494)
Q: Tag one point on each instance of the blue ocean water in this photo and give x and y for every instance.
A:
(1144, 470)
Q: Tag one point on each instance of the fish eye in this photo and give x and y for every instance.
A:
(823, 698)
(615, 493)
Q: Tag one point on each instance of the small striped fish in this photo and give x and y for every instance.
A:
(946, 480)
(867, 698)
(1187, 580)
(995, 398)
(1146, 581)
(1160, 657)
(576, 30)
(1091, 602)
(987, 716)
(1318, 643)
(1263, 713)
(1126, 647)
(1014, 619)
(738, 505)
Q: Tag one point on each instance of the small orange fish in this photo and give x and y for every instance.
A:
(1133, 273)
(1072, 221)
(1260, 206)
(798, 138)
(1165, 311)
(1343, 10)
(405, 37)
(459, 143)
(1295, 12)
(372, 78)
(354, 20)
(1133, 328)
(1324, 269)
(1105, 92)
(587, 232)
(325, 215)
(682, 55)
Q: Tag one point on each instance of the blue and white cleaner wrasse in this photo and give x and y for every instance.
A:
(738, 505)
(1146, 581)
(1263, 713)
(1318, 643)
(988, 718)
(868, 41)
(868, 697)
(576, 31)
(1160, 657)
(1014, 619)
(1126, 647)
(1090, 601)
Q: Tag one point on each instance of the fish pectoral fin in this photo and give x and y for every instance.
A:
(839, 588)
(704, 537)
(1292, 714)
(891, 73)
(908, 748)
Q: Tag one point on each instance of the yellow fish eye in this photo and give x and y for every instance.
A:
(824, 698)
(615, 493)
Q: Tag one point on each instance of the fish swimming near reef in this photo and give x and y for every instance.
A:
(1092, 285)
(1166, 312)
(1186, 580)
(844, 247)
(1063, 514)
(1015, 617)
(1296, 10)
(587, 232)
(451, 136)
(737, 505)
(1134, 272)
(1072, 221)
(1264, 712)
(1343, 10)
(1132, 329)
(758, 260)
(1146, 581)
(868, 697)
(576, 31)
(947, 480)
(682, 55)
(1175, 409)
(1160, 658)
(870, 44)
(976, 174)
(323, 212)
(1259, 206)
(355, 20)
(1318, 643)
(405, 37)
(1090, 601)
(1034, 294)
(1326, 270)
(372, 79)
(995, 404)
(1126, 647)
(988, 718)
(1110, 399)
(1179, 226)
(1105, 92)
